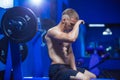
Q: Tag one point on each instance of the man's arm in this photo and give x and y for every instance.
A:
(72, 59)
(66, 37)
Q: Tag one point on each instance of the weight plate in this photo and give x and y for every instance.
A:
(19, 24)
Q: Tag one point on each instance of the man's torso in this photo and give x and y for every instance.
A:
(58, 50)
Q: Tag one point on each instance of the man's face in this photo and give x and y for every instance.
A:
(70, 23)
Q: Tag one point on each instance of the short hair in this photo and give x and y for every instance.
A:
(71, 13)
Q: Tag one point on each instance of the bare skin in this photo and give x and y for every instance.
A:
(59, 40)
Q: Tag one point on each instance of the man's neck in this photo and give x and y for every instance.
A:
(61, 26)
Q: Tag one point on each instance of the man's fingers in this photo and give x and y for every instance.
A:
(82, 21)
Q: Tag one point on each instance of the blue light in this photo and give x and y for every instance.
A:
(36, 2)
(96, 25)
(107, 32)
(6, 3)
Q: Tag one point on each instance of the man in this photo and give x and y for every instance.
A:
(59, 39)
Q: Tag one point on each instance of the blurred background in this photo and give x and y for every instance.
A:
(97, 47)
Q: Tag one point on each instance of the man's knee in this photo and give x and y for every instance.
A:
(79, 78)
(86, 78)
(94, 76)
(91, 75)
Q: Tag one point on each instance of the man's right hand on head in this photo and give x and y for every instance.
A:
(81, 21)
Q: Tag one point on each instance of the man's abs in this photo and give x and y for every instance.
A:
(59, 60)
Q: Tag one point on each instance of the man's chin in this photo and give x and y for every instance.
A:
(69, 30)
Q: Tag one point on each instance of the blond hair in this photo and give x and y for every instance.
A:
(71, 13)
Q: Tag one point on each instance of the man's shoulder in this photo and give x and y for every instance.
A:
(52, 30)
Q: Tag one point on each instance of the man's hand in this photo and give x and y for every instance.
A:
(80, 22)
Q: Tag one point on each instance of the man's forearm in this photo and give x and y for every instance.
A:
(72, 62)
(75, 31)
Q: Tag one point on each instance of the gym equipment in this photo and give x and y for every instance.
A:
(23, 49)
(3, 49)
(19, 25)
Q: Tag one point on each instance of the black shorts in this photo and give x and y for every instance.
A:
(62, 72)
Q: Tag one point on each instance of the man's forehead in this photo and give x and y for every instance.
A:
(73, 20)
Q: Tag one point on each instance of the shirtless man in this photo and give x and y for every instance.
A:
(59, 39)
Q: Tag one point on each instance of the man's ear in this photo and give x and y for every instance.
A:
(64, 18)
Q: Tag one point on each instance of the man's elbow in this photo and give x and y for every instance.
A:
(72, 39)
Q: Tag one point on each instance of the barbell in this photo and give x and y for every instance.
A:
(19, 24)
